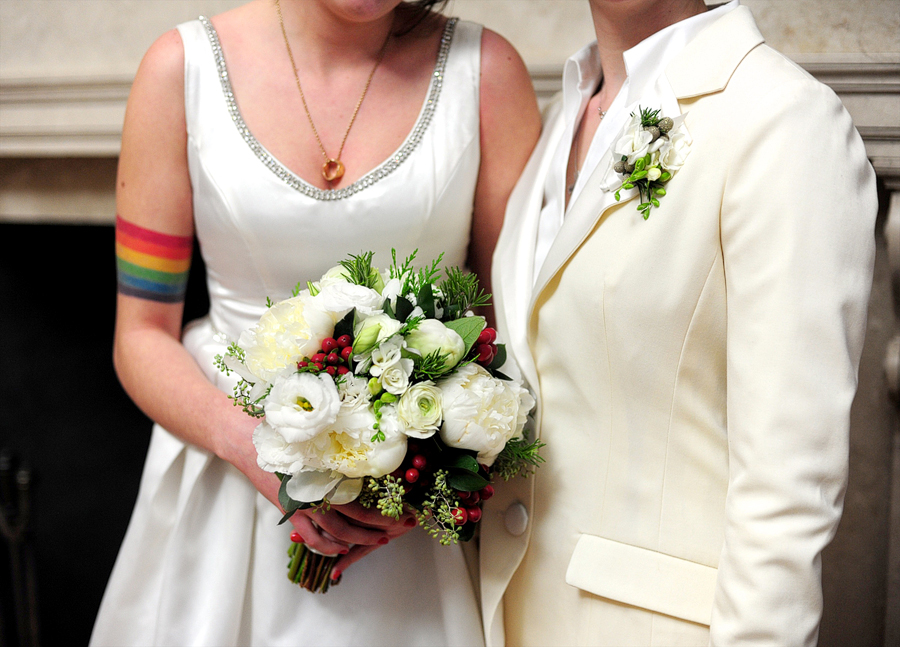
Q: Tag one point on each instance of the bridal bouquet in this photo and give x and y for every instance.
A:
(382, 387)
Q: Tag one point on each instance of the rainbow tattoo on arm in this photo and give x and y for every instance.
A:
(152, 265)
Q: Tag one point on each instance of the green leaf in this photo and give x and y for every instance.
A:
(639, 165)
(660, 191)
(638, 175)
(425, 299)
(403, 309)
(665, 177)
(345, 325)
(468, 328)
(654, 202)
(388, 310)
(290, 506)
(465, 481)
(627, 185)
(618, 197)
(500, 358)
(464, 462)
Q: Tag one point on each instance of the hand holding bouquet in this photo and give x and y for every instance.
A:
(382, 387)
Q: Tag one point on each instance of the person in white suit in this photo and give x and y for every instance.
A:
(694, 368)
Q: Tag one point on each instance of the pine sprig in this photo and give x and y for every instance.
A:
(430, 367)
(519, 457)
(462, 292)
(360, 271)
(649, 117)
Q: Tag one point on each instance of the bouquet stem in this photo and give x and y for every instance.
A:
(311, 570)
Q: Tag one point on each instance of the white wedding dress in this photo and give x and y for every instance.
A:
(204, 561)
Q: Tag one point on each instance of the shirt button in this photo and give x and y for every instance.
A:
(515, 519)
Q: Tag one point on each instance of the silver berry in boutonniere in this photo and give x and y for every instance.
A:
(649, 152)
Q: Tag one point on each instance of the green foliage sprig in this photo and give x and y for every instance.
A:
(360, 271)
(461, 293)
(436, 513)
(385, 494)
(518, 457)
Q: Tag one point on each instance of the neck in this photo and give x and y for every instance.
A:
(325, 39)
(622, 24)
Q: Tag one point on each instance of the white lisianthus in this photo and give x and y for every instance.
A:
(419, 410)
(674, 152)
(634, 142)
(391, 291)
(482, 413)
(302, 405)
(431, 335)
(340, 297)
(286, 332)
(653, 173)
(372, 330)
(274, 453)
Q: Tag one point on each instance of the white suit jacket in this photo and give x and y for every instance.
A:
(694, 371)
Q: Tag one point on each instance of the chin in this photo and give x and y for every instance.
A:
(361, 10)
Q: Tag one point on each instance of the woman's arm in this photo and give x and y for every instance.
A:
(510, 127)
(154, 195)
(797, 238)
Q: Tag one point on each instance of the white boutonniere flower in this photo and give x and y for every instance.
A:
(650, 151)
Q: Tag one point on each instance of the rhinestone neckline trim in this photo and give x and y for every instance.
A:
(379, 172)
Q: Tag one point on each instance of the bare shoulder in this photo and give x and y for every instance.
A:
(163, 64)
(501, 64)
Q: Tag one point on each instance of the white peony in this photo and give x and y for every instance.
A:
(302, 405)
(431, 335)
(340, 297)
(482, 413)
(274, 453)
(420, 411)
(285, 333)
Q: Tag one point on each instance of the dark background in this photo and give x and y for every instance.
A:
(67, 419)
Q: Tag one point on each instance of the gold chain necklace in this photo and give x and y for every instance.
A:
(333, 168)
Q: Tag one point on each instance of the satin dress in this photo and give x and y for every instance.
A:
(204, 560)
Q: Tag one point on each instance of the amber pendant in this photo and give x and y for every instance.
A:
(333, 170)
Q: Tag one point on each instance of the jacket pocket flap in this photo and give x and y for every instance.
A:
(643, 578)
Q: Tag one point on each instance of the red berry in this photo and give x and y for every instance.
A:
(463, 496)
(344, 341)
(487, 336)
(474, 498)
(341, 370)
(329, 344)
(418, 461)
(346, 352)
(412, 475)
(487, 492)
(460, 516)
(331, 370)
(474, 514)
(302, 363)
(333, 358)
(318, 358)
(319, 365)
(485, 353)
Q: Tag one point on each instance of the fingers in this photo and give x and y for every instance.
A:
(372, 518)
(314, 537)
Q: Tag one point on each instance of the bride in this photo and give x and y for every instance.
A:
(286, 135)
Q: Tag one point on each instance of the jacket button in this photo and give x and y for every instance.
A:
(515, 519)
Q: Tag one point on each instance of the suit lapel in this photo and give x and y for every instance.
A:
(692, 73)
(513, 272)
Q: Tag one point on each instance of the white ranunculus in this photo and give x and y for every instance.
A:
(395, 378)
(482, 413)
(431, 335)
(285, 333)
(340, 297)
(419, 410)
(372, 330)
(302, 405)
(674, 152)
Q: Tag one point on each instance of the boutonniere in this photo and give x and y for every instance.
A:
(649, 152)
